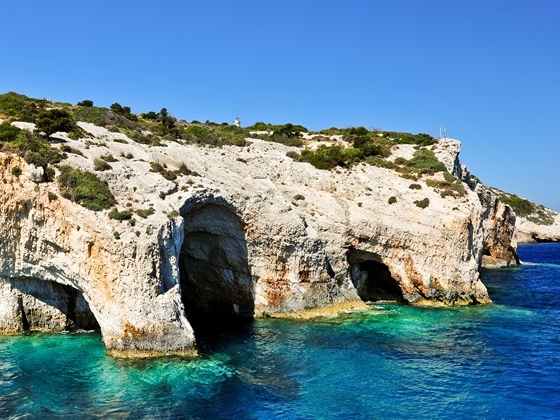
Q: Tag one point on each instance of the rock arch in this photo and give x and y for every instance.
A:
(31, 304)
(372, 278)
(215, 275)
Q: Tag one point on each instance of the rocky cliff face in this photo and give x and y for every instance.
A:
(248, 233)
(500, 246)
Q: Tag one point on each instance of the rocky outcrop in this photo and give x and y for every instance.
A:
(249, 232)
(125, 284)
(500, 246)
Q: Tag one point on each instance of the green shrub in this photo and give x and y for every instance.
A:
(49, 173)
(52, 120)
(520, 206)
(420, 139)
(21, 107)
(451, 186)
(325, 157)
(120, 215)
(109, 158)
(293, 155)
(85, 188)
(104, 117)
(113, 129)
(85, 102)
(392, 200)
(101, 165)
(150, 115)
(169, 175)
(8, 132)
(415, 186)
(16, 171)
(380, 162)
(260, 126)
(369, 146)
(291, 141)
(425, 162)
(425, 202)
(298, 197)
(183, 170)
(35, 150)
(144, 213)
(67, 149)
(52, 196)
(124, 111)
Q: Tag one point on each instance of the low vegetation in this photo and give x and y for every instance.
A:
(425, 202)
(101, 165)
(85, 188)
(120, 215)
(449, 186)
(522, 207)
(21, 107)
(144, 213)
(33, 148)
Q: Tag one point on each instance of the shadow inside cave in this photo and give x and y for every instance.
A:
(47, 305)
(372, 278)
(216, 284)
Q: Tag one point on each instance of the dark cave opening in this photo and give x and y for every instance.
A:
(47, 305)
(372, 278)
(216, 283)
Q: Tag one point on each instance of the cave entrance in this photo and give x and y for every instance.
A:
(216, 283)
(372, 278)
(46, 305)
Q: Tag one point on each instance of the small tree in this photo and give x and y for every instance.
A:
(150, 115)
(8, 132)
(52, 120)
(85, 102)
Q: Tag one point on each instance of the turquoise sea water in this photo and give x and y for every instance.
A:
(394, 361)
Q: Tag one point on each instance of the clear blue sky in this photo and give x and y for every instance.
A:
(488, 70)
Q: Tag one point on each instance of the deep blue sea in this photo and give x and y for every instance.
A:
(500, 361)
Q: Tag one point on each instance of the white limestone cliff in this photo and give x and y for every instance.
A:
(249, 232)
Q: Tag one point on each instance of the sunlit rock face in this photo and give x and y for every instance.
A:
(250, 232)
(57, 259)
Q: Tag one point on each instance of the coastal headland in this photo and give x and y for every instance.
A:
(145, 233)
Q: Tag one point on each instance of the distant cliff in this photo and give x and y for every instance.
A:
(535, 223)
(201, 232)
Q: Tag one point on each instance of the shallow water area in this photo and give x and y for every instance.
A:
(392, 361)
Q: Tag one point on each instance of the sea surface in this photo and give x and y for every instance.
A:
(500, 361)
